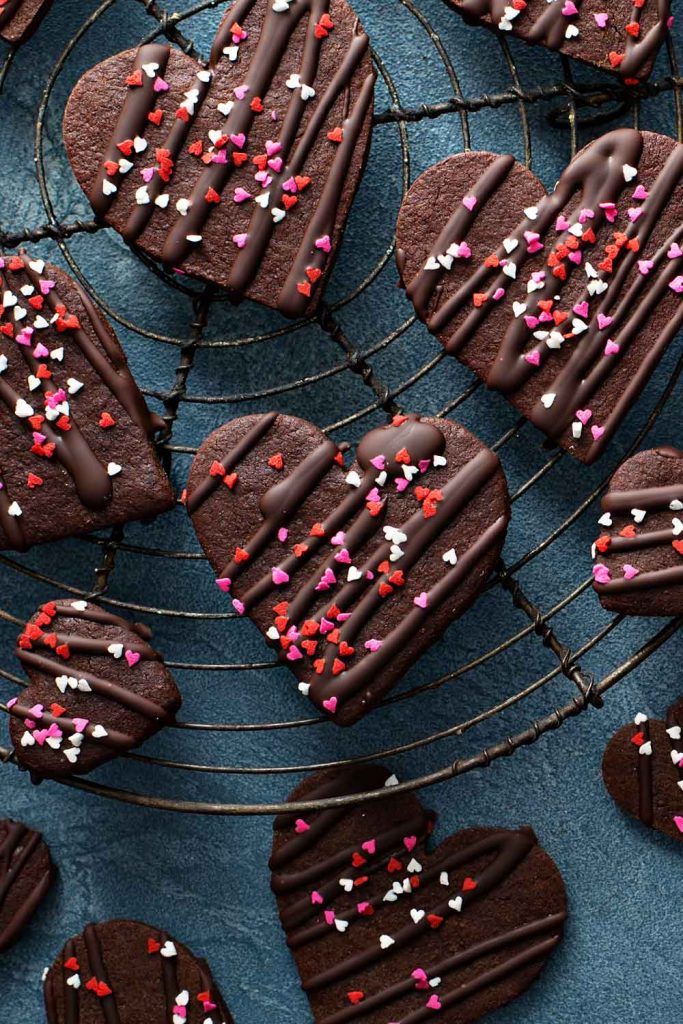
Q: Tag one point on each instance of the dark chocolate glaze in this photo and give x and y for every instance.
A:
(280, 503)
(500, 852)
(296, 144)
(8, 11)
(23, 855)
(594, 176)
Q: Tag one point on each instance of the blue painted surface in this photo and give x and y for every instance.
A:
(205, 879)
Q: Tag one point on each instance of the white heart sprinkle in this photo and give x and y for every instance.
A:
(638, 514)
(548, 399)
(113, 469)
(385, 941)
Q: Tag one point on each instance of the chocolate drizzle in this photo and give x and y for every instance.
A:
(8, 11)
(25, 878)
(306, 865)
(592, 181)
(299, 128)
(125, 971)
(549, 28)
(353, 524)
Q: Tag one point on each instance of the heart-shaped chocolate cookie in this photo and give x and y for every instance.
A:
(20, 18)
(385, 928)
(619, 37)
(241, 173)
(351, 571)
(127, 972)
(643, 771)
(564, 302)
(639, 554)
(97, 688)
(75, 433)
(26, 875)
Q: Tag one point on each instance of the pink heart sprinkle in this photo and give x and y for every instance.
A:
(338, 538)
(36, 711)
(23, 338)
(423, 465)
(583, 415)
(362, 907)
(132, 657)
(326, 626)
(676, 285)
(294, 654)
(604, 321)
(301, 826)
(220, 157)
(645, 266)
(238, 606)
(224, 584)
(40, 735)
(586, 214)
(575, 257)
(241, 91)
(601, 574)
(330, 704)
(601, 19)
(290, 185)
(343, 556)
(678, 822)
(40, 351)
(208, 1006)
(634, 213)
(180, 1011)
(279, 576)
(238, 140)
(372, 645)
(241, 195)
(263, 178)
(422, 600)
(640, 192)
(401, 484)
(581, 309)
(323, 243)
(597, 432)
(410, 843)
(500, 292)
(240, 240)
(611, 348)
(276, 164)
(272, 148)
(329, 916)
(531, 322)
(160, 85)
(12, 702)
(533, 357)
(46, 286)
(316, 898)
(630, 571)
(147, 173)
(570, 9)
(370, 846)
(282, 534)
(379, 462)
(433, 1003)
(421, 980)
(675, 251)
(562, 224)
(469, 202)
(81, 724)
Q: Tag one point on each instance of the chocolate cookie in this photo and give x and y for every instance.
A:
(384, 927)
(643, 771)
(97, 688)
(351, 571)
(243, 173)
(26, 874)
(639, 554)
(20, 18)
(75, 433)
(617, 36)
(126, 972)
(564, 302)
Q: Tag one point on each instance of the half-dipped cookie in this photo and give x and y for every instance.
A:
(243, 172)
(26, 875)
(638, 556)
(97, 688)
(565, 302)
(384, 926)
(76, 450)
(351, 569)
(127, 972)
(643, 771)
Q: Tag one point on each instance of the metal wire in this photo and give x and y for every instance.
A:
(581, 106)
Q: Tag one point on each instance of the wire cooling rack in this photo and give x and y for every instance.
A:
(571, 108)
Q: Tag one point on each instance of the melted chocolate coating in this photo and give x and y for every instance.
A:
(126, 972)
(567, 310)
(617, 36)
(97, 688)
(26, 874)
(19, 19)
(639, 553)
(269, 234)
(643, 771)
(349, 573)
(383, 927)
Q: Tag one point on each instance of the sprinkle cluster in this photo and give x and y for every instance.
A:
(644, 745)
(601, 572)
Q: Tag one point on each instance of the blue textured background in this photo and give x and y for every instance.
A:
(205, 879)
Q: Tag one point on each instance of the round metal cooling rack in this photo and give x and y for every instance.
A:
(574, 106)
